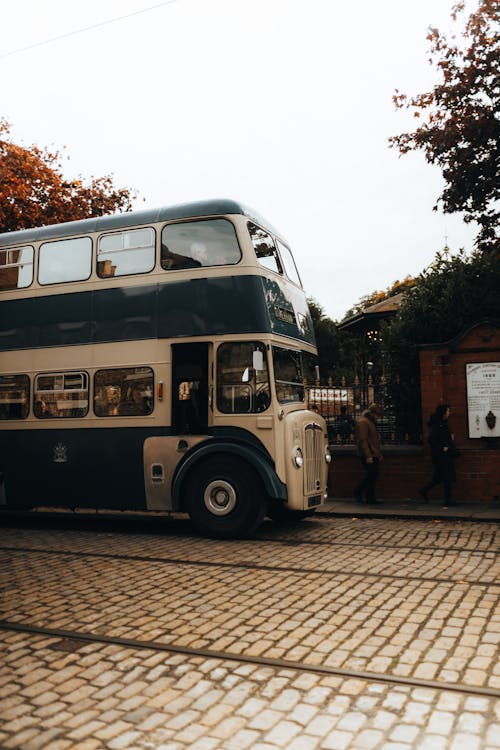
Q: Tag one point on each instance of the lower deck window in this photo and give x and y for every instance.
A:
(61, 395)
(14, 396)
(123, 392)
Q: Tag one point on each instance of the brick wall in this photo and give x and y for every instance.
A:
(401, 473)
(443, 379)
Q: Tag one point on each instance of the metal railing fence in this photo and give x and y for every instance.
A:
(342, 405)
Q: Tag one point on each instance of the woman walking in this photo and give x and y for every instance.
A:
(443, 453)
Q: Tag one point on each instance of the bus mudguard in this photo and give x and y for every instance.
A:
(273, 486)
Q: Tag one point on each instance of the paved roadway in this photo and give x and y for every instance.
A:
(336, 633)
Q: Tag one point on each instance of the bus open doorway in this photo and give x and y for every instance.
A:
(190, 388)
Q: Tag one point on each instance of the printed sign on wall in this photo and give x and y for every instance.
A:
(483, 399)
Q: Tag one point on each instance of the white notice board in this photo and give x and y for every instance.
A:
(483, 399)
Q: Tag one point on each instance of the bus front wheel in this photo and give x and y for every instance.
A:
(224, 498)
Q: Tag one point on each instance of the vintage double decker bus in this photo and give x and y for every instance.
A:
(155, 361)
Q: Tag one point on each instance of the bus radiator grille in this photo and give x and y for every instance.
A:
(313, 458)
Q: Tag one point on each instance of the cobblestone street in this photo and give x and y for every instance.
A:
(334, 633)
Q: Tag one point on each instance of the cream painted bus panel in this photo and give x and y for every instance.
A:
(161, 456)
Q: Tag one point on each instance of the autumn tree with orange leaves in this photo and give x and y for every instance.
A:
(461, 130)
(34, 191)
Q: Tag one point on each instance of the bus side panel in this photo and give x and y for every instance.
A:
(85, 468)
(56, 329)
(17, 324)
(288, 310)
(196, 307)
(212, 306)
(124, 314)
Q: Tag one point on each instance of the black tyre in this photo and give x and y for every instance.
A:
(224, 498)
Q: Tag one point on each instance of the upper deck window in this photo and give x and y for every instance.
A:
(123, 253)
(289, 263)
(193, 244)
(16, 267)
(65, 260)
(265, 249)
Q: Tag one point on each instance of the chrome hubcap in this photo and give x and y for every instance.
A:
(219, 497)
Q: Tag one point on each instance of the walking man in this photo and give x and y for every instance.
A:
(368, 443)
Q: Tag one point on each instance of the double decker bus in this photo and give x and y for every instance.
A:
(155, 361)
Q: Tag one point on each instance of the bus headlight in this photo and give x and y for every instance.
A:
(328, 455)
(298, 458)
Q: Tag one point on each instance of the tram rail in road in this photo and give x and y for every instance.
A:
(257, 660)
(248, 565)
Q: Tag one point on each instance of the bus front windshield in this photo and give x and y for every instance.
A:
(292, 369)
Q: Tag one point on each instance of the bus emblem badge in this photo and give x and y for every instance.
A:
(60, 454)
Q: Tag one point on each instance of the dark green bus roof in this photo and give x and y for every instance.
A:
(131, 218)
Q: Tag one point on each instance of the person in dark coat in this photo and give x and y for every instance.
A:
(368, 444)
(443, 453)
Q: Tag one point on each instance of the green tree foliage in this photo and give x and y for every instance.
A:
(34, 191)
(336, 349)
(461, 132)
(450, 296)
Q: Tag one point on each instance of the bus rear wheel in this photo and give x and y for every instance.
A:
(224, 498)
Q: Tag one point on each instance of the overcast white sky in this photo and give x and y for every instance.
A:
(282, 104)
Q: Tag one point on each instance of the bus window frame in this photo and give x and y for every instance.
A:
(280, 270)
(299, 385)
(27, 392)
(194, 220)
(122, 232)
(124, 415)
(59, 241)
(279, 245)
(245, 385)
(7, 250)
(54, 374)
